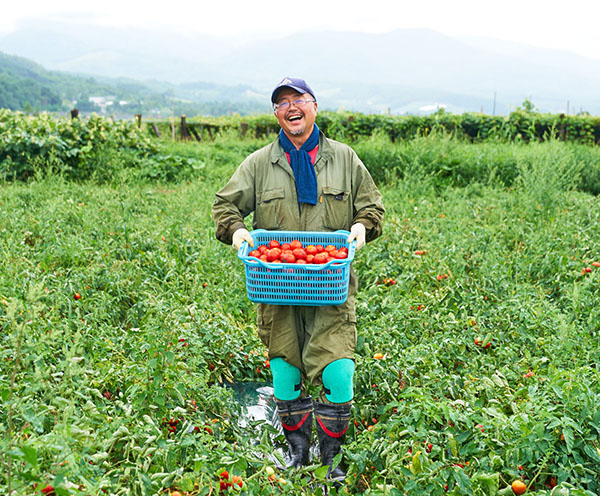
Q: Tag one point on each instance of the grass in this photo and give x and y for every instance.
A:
(91, 387)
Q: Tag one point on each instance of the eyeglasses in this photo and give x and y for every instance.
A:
(286, 105)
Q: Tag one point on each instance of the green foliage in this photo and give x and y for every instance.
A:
(107, 150)
(522, 125)
(76, 148)
(119, 390)
(446, 161)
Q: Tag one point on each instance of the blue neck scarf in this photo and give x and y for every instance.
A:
(304, 171)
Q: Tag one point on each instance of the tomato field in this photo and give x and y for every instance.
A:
(124, 319)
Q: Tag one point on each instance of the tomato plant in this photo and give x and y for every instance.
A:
(128, 388)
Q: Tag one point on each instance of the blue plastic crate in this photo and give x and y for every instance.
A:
(297, 284)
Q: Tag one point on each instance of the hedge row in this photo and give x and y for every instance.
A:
(520, 126)
(77, 148)
(104, 150)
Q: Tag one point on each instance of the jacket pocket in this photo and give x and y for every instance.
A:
(269, 209)
(338, 208)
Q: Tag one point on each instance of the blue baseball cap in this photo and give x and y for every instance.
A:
(297, 84)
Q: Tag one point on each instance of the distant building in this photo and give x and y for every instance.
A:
(102, 101)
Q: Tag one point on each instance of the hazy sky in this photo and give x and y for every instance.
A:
(571, 25)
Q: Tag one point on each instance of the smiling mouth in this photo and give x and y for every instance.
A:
(294, 118)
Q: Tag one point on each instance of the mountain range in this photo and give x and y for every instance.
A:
(403, 71)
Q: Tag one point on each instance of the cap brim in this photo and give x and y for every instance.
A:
(295, 88)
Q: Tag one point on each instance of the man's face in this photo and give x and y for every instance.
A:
(296, 120)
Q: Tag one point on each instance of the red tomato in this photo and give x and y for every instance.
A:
(330, 248)
(285, 246)
(263, 249)
(288, 257)
(274, 244)
(310, 258)
(344, 249)
(301, 261)
(264, 258)
(311, 250)
(320, 248)
(341, 254)
(273, 254)
(295, 244)
(320, 258)
(299, 253)
(254, 253)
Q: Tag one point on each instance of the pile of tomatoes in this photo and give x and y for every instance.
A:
(295, 253)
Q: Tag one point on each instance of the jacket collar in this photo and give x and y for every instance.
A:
(325, 151)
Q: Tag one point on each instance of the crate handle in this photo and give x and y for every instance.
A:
(256, 261)
(242, 249)
(280, 266)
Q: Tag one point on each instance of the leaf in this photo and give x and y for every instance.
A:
(360, 342)
(336, 460)
(120, 432)
(453, 445)
(506, 491)
(4, 394)
(486, 484)
(186, 484)
(30, 455)
(416, 466)
(321, 472)
(35, 420)
(462, 480)
(146, 481)
(569, 438)
(496, 462)
(279, 457)
(168, 480)
(499, 380)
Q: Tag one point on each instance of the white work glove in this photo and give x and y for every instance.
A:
(239, 236)
(358, 233)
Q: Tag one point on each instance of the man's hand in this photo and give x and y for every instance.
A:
(239, 236)
(358, 233)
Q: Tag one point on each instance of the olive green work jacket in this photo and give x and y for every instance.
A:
(264, 184)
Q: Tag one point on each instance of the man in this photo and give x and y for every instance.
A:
(305, 182)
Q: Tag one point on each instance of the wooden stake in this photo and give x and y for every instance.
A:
(184, 129)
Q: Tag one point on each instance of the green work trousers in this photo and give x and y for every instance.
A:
(310, 337)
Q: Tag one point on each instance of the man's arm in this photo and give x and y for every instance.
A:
(234, 202)
(368, 202)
